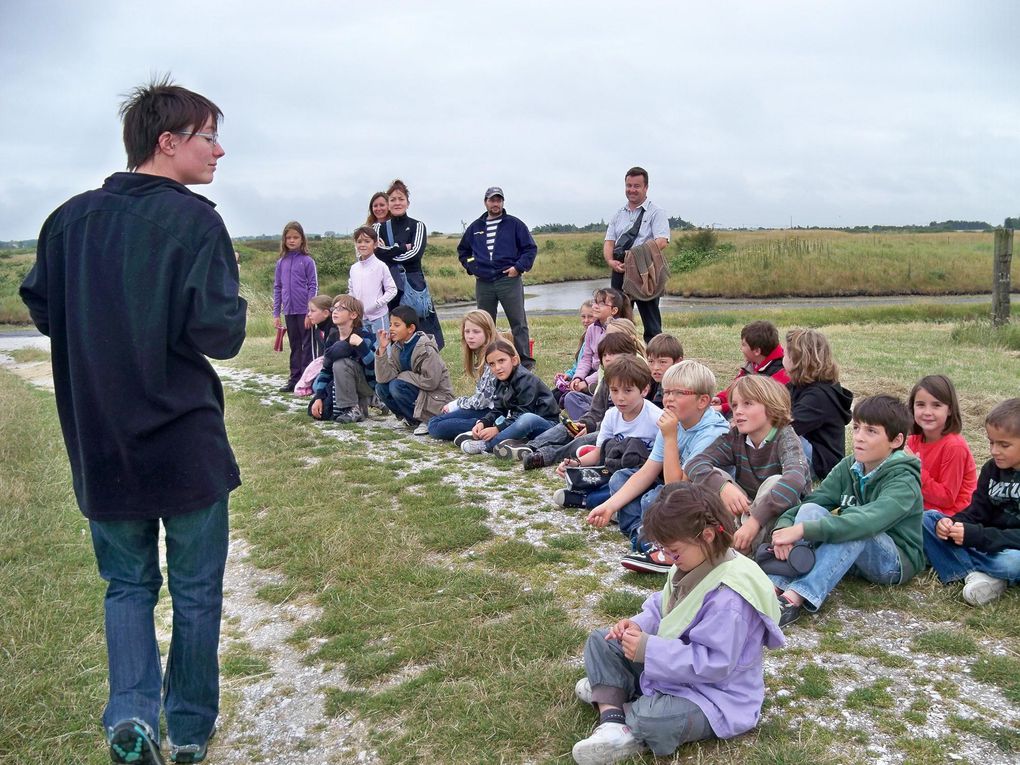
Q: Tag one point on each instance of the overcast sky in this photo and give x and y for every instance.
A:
(744, 113)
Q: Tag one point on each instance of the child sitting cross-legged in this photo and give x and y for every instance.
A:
(689, 667)
(864, 518)
(624, 439)
(688, 426)
(981, 543)
(663, 351)
(758, 469)
(412, 380)
(345, 384)
(522, 405)
(759, 342)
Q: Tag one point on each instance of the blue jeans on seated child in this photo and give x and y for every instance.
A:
(524, 428)
(629, 516)
(127, 555)
(399, 397)
(447, 427)
(953, 562)
(661, 721)
(876, 559)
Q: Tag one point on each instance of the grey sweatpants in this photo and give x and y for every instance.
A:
(661, 721)
(352, 387)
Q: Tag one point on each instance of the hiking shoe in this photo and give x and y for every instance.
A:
(610, 742)
(132, 742)
(979, 589)
(651, 562)
(472, 446)
(533, 461)
(583, 691)
(421, 430)
(588, 477)
(788, 612)
(512, 449)
(346, 416)
(568, 498)
(189, 752)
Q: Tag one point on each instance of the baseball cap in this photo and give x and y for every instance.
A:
(493, 191)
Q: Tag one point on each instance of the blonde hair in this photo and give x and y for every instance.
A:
(626, 325)
(692, 375)
(474, 361)
(767, 392)
(810, 357)
(353, 305)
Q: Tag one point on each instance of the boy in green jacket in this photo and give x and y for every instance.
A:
(864, 518)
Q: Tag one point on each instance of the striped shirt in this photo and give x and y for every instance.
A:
(491, 224)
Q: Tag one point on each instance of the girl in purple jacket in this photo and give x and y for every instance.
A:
(689, 666)
(294, 285)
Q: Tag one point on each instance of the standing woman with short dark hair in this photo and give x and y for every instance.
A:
(403, 242)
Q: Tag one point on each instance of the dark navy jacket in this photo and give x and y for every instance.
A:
(136, 284)
(514, 246)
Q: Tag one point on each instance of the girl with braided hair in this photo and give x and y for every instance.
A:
(689, 666)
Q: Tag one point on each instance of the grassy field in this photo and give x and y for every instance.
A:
(744, 264)
(456, 607)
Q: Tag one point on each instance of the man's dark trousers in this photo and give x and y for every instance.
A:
(651, 319)
(509, 293)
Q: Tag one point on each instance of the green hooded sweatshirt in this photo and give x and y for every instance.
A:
(889, 501)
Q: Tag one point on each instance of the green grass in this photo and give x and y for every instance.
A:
(463, 647)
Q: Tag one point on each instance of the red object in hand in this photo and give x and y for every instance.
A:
(278, 344)
(531, 347)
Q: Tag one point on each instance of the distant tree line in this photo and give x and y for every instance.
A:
(570, 228)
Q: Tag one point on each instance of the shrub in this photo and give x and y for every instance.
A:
(333, 258)
(593, 254)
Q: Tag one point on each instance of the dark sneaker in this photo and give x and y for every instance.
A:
(353, 414)
(568, 498)
(288, 388)
(533, 461)
(651, 562)
(132, 742)
(512, 449)
(788, 613)
(588, 478)
(186, 753)
(459, 440)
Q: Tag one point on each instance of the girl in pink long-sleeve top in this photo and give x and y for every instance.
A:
(608, 304)
(294, 285)
(689, 666)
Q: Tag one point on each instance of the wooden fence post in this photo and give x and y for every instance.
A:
(1000, 276)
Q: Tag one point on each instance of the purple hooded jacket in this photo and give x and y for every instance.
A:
(296, 282)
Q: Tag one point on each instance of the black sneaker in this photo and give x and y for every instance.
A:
(589, 478)
(568, 498)
(189, 753)
(651, 562)
(512, 449)
(132, 742)
(533, 461)
(353, 414)
(288, 388)
(788, 612)
(458, 440)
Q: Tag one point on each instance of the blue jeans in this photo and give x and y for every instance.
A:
(127, 554)
(399, 397)
(953, 562)
(447, 427)
(629, 516)
(374, 325)
(876, 559)
(524, 428)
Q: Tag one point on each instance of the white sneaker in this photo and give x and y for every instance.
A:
(611, 742)
(979, 589)
(471, 446)
(583, 690)
(421, 430)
